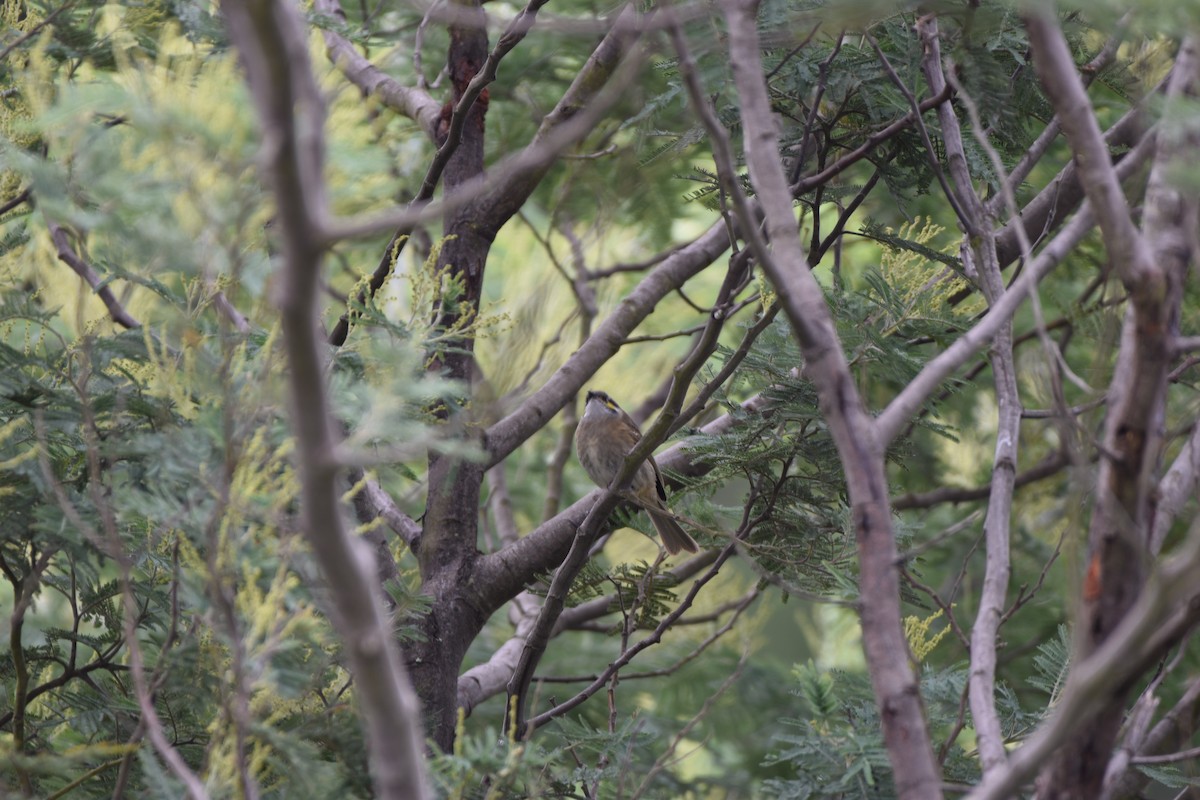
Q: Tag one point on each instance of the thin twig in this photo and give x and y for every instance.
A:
(68, 256)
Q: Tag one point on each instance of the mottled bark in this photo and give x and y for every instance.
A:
(451, 571)
(1151, 264)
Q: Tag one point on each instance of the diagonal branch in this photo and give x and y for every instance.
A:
(415, 104)
(492, 199)
(67, 255)
(900, 410)
(597, 682)
(508, 434)
(542, 630)
(1126, 248)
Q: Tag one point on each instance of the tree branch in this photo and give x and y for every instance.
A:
(506, 435)
(1176, 489)
(1048, 467)
(270, 37)
(980, 247)
(491, 199)
(895, 417)
(1152, 266)
(905, 734)
(67, 255)
(539, 636)
(1126, 248)
(415, 104)
(1164, 612)
(652, 638)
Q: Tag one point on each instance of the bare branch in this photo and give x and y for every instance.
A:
(900, 410)
(35, 29)
(378, 503)
(1174, 727)
(17, 199)
(810, 182)
(540, 635)
(1041, 144)
(1126, 247)
(507, 434)
(979, 248)
(904, 730)
(413, 103)
(1152, 266)
(1163, 613)
(489, 678)
(516, 721)
(956, 195)
(653, 638)
(1176, 489)
(1048, 467)
(68, 256)
(491, 199)
(271, 39)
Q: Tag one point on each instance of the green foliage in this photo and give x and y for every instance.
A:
(148, 498)
(148, 490)
(642, 593)
(1051, 662)
(837, 750)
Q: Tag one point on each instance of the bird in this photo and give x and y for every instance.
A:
(603, 440)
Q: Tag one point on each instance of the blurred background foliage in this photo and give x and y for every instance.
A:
(147, 495)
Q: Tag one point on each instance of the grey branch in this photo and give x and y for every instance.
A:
(683, 264)
(1142, 636)
(271, 39)
(904, 731)
(980, 245)
(1126, 247)
(1176, 488)
(413, 103)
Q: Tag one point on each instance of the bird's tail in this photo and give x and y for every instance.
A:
(674, 538)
